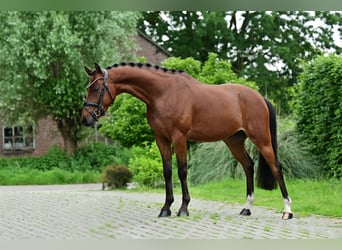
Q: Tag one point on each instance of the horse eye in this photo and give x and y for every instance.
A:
(96, 88)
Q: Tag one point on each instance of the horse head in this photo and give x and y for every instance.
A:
(99, 95)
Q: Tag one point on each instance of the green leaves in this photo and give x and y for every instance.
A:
(213, 71)
(318, 110)
(262, 46)
(127, 122)
(146, 165)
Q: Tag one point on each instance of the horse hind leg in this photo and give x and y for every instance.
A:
(237, 147)
(270, 160)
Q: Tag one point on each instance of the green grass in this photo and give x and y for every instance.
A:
(309, 197)
(26, 176)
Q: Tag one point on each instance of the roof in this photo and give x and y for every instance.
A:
(149, 39)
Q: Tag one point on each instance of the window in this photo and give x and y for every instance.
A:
(18, 138)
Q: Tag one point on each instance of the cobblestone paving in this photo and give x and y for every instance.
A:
(86, 212)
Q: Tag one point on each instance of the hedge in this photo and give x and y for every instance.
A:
(319, 111)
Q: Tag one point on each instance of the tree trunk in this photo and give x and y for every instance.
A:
(68, 130)
(70, 145)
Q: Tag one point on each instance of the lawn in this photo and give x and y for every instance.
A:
(27, 176)
(309, 197)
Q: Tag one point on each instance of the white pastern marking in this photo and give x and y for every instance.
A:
(287, 205)
(249, 202)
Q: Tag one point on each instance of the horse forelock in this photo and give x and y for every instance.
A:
(145, 66)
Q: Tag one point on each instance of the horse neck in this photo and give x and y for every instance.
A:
(144, 84)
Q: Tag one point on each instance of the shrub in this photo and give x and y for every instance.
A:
(28, 176)
(146, 165)
(95, 156)
(127, 122)
(54, 158)
(116, 176)
(319, 111)
(90, 157)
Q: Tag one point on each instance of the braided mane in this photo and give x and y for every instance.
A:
(145, 65)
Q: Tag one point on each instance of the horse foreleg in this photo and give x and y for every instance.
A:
(182, 174)
(165, 151)
(181, 155)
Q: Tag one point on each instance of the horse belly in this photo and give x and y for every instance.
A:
(217, 118)
(213, 129)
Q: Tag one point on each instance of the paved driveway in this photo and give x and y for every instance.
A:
(86, 212)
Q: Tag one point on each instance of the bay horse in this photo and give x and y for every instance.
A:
(180, 108)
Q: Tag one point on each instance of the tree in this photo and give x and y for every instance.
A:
(265, 47)
(42, 59)
(127, 120)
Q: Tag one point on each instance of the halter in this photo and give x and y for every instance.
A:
(98, 111)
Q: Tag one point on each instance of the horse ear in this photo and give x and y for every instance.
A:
(88, 70)
(98, 68)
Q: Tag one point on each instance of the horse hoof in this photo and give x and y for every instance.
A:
(287, 216)
(245, 212)
(165, 213)
(182, 213)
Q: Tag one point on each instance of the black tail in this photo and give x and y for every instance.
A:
(265, 178)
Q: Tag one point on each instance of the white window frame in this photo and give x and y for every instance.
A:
(15, 146)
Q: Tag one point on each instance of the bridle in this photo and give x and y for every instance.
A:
(98, 111)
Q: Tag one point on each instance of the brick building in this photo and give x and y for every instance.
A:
(21, 140)
(150, 50)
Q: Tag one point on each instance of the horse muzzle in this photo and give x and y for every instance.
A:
(88, 121)
(90, 117)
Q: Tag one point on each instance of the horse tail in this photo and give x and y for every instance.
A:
(265, 178)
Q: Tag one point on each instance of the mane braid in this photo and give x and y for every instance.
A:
(146, 65)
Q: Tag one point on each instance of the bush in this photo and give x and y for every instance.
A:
(127, 122)
(55, 167)
(54, 158)
(28, 176)
(214, 161)
(319, 111)
(116, 176)
(146, 165)
(95, 156)
(90, 157)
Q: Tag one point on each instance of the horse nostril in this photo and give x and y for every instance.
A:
(86, 122)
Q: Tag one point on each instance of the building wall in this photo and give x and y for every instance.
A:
(46, 134)
(152, 52)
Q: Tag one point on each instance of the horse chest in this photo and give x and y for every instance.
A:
(168, 122)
